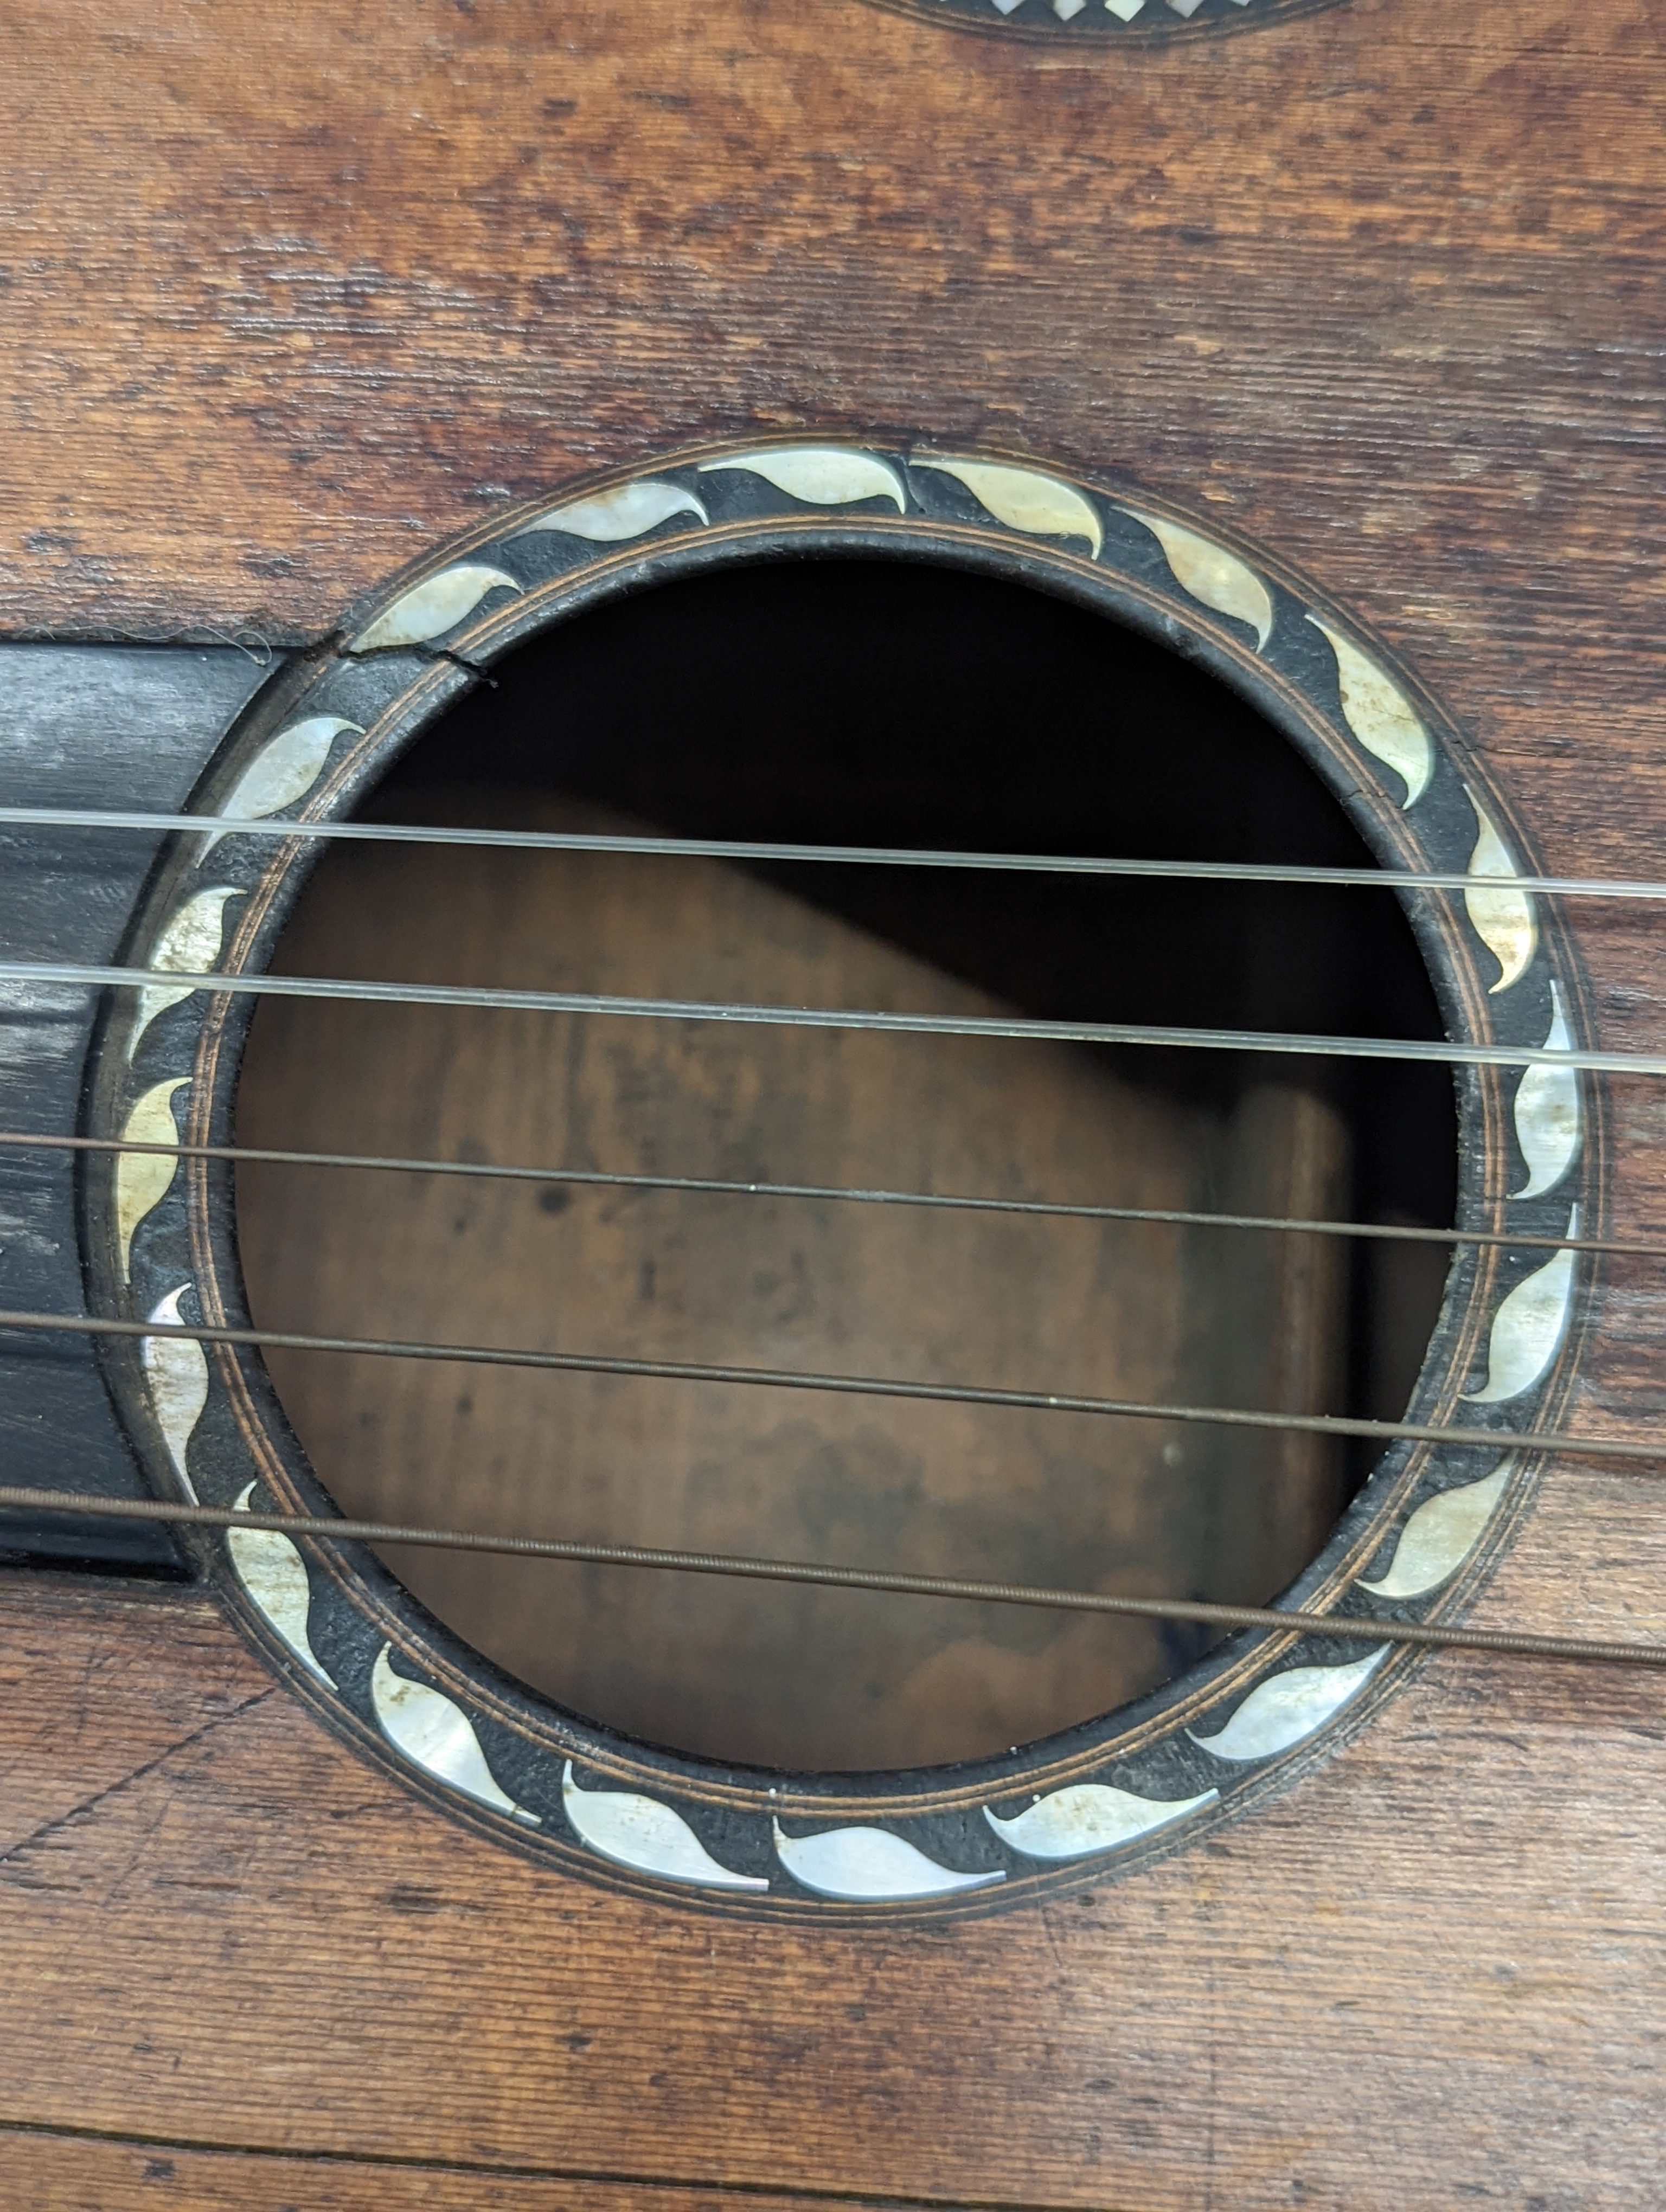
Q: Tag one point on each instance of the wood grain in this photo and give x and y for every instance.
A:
(54, 2172)
(292, 300)
(288, 295)
(254, 1939)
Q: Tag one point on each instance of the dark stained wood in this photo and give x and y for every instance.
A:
(69, 899)
(1425, 1975)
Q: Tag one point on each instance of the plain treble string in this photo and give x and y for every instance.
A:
(863, 856)
(1172, 1217)
(1353, 1627)
(861, 1386)
(1277, 1041)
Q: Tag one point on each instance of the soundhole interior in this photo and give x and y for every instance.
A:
(850, 703)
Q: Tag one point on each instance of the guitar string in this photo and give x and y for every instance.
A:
(881, 856)
(1515, 1643)
(1353, 1627)
(1276, 1041)
(1172, 1217)
(862, 1386)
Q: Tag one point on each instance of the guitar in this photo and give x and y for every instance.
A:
(739, 692)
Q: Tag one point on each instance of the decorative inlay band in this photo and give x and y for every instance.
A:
(1117, 22)
(1101, 1797)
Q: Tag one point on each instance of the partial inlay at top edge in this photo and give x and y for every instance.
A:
(1103, 22)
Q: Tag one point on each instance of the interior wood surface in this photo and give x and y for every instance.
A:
(784, 1677)
(292, 293)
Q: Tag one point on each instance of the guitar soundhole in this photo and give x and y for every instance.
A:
(846, 703)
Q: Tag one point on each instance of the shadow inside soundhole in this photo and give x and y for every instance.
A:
(861, 703)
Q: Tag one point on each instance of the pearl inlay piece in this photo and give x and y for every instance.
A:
(1380, 715)
(1547, 1116)
(436, 1736)
(176, 1369)
(1074, 1823)
(1503, 920)
(275, 1576)
(858, 1864)
(1205, 571)
(1288, 1708)
(626, 512)
(1023, 499)
(1528, 1327)
(641, 1833)
(284, 770)
(428, 609)
(1439, 1537)
(143, 1178)
(190, 943)
(821, 476)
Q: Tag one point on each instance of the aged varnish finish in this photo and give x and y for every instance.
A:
(295, 301)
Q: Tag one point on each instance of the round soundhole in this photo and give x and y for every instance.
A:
(847, 703)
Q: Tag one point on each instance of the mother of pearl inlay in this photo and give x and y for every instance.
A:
(641, 1833)
(1286, 1709)
(1072, 1824)
(857, 1865)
